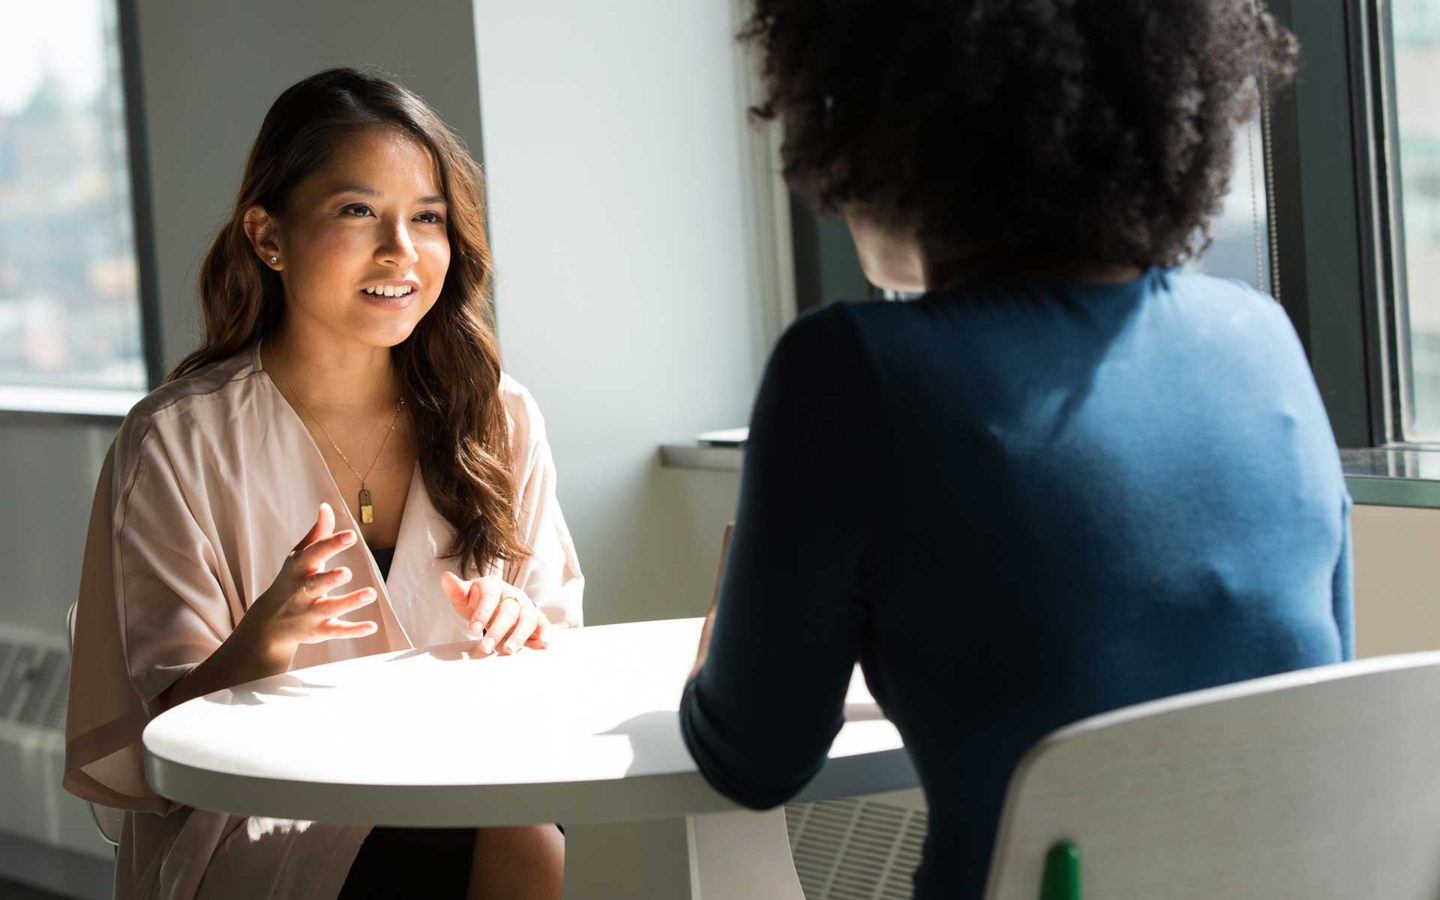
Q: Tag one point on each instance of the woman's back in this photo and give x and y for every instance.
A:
(1020, 503)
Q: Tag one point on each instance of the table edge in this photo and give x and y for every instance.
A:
(658, 796)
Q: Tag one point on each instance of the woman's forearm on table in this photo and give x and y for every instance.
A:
(244, 656)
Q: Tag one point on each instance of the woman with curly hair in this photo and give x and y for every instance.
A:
(1068, 478)
(305, 487)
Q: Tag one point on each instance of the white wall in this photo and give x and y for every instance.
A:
(627, 299)
(47, 478)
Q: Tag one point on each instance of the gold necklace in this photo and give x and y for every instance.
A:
(367, 503)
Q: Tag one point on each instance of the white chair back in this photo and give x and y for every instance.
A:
(110, 821)
(1322, 783)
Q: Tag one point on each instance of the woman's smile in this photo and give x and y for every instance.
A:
(390, 295)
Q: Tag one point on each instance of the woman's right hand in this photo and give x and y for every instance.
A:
(294, 610)
(297, 609)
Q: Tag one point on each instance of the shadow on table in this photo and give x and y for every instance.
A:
(655, 741)
(276, 686)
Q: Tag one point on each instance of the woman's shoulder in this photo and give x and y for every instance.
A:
(527, 425)
(1233, 311)
(1218, 292)
(199, 402)
(829, 330)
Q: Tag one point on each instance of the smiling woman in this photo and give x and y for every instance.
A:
(349, 389)
(341, 195)
(402, 213)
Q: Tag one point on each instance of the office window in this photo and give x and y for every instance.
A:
(1240, 246)
(70, 312)
(1415, 123)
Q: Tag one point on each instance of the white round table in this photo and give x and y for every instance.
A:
(584, 732)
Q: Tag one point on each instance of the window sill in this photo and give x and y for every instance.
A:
(1375, 477)
(701, 456)
(1393, 476)
(52, 404)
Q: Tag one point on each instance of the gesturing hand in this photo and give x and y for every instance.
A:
(501, 612)
(296, 609)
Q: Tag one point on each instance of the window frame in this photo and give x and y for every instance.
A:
(137, 141)
(1394, 275)
(1336, 217)
(1326, 213)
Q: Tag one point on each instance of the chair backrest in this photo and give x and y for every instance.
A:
(1322, 783)
(109, 821)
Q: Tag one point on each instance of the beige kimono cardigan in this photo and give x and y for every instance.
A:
(210, 482)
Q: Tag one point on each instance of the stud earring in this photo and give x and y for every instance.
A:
(274, 260)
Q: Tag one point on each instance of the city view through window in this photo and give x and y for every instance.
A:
(69, 294)
(1416, 30)
(1239, 232)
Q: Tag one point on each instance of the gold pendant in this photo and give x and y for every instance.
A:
(367, 507)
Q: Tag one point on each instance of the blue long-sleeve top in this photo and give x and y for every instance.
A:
(1017, 504)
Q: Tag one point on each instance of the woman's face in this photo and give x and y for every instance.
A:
(371, 221)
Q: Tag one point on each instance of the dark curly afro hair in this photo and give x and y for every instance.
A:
(1011, 132)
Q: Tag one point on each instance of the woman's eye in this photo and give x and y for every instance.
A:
(363, 209)
(434, 218)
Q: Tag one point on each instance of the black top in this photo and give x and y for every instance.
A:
(1017, 504)
(383, 559)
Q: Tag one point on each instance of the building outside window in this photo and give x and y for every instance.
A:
(1415, 63)
(1239, 237)
(70, 310)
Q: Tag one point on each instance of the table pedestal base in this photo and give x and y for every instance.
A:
(738, 855)
(741, 855)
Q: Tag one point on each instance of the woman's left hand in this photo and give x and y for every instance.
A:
(500, 614)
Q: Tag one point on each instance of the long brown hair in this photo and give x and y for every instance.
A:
(449, 366)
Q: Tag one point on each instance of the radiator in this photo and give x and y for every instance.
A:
(860, 848)
(34, 678)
